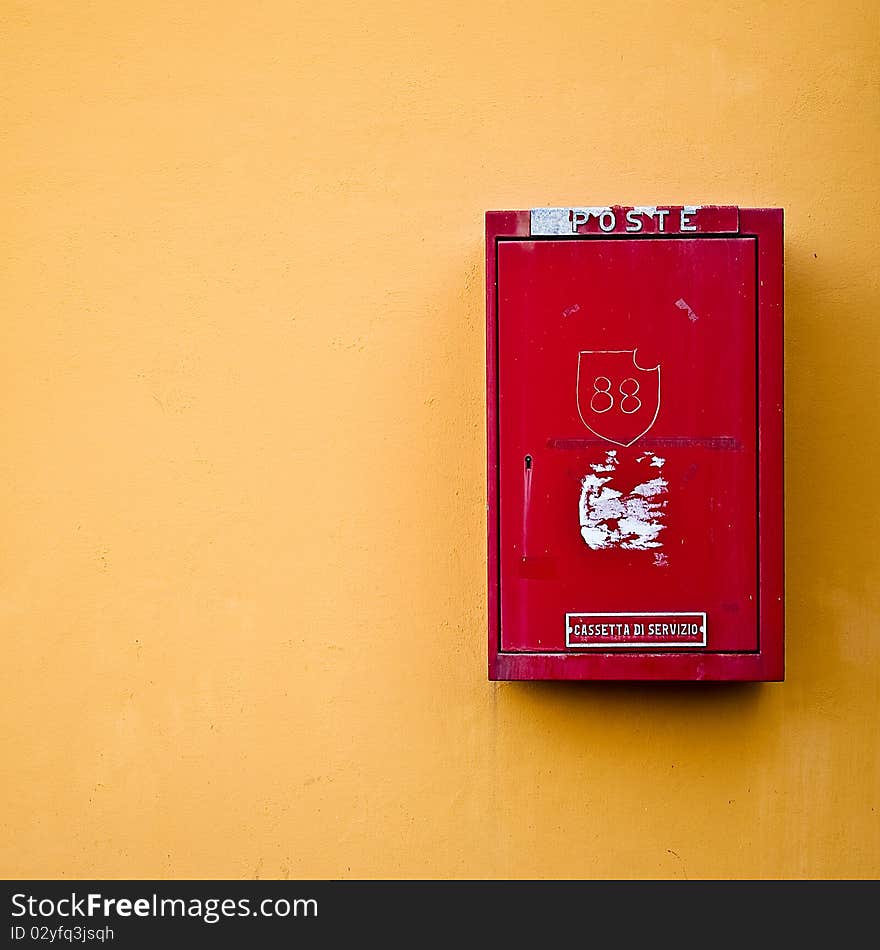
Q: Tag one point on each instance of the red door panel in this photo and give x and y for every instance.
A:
(627, 466)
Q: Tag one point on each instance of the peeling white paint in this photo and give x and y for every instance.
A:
(631, 520)
(546, 221)
(656, 486)
(682, 304)
(610, 462)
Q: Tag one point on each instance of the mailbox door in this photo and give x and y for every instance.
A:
(628, 470)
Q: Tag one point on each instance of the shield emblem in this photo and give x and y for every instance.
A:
(617, 399)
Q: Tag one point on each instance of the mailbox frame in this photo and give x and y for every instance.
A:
(765, 226)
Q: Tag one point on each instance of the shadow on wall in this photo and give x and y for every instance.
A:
(832, 433)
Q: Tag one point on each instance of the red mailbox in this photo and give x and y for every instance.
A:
(634, 369)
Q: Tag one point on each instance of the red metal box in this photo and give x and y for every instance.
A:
(635, 435)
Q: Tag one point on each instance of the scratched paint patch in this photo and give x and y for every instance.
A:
(613, 515)
(682, 304)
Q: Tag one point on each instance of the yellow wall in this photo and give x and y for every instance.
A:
(242, 501)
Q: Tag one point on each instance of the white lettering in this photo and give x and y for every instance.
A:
(609, 629)
(633, 218)
(612, 221)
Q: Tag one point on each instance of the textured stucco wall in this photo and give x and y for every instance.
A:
(242, 470)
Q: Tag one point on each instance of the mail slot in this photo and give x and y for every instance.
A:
(635, 433)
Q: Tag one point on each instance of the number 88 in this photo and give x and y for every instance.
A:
(602, 399)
